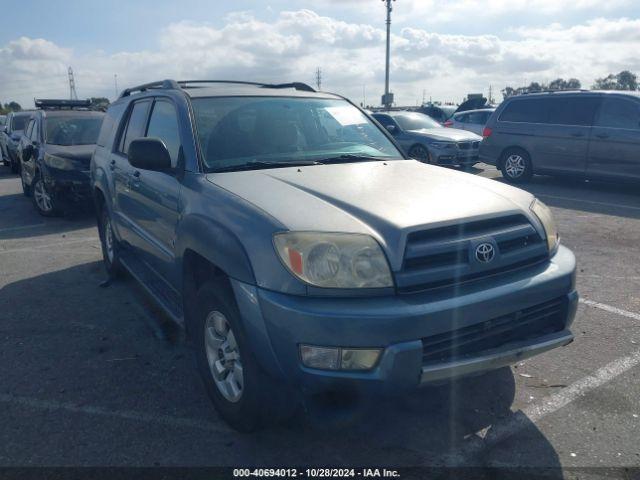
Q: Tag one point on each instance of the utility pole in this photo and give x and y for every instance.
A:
(387, 98)
(319, 78)
(490, 95)
(364, 96)
(115, 81)
(72, 85)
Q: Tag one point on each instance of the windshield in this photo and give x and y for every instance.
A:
(415, 121)
(3, 120)
(68, 130)
(19, 122)
(235, 131)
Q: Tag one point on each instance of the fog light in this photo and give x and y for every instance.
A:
(325, 358)
(359, 358)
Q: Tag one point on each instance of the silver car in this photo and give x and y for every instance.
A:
(471, 120)
(426, 140)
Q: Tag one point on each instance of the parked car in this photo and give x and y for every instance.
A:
(588, 134)
(303, 252)
(426, 140)
(11, 134)
(471, 120)
(55, 153)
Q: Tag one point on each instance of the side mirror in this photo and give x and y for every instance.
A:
(391, 128)
(149, 154)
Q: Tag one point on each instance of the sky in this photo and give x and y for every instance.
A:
(441, 49)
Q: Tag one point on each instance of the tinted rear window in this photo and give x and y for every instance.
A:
(552, 110)
(619, 113)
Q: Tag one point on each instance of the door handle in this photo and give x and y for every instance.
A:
(577, 134)
(134, 181)
(602, 135)
(136, 174)
(112, 164)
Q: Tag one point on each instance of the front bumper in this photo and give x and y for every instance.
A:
(455, 156)
(277, 323)
(68, 185)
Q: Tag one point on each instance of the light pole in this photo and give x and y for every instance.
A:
(387, 98)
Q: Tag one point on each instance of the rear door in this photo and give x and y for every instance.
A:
(124, 205)
(154, 196)
(614, 150)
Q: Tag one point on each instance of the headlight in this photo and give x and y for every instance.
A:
(441, 145)
(334, 260)
(58, 162)
(546, 218)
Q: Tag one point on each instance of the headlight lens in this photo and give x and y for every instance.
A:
(334, 260)
(58, 162)
(546, 218)
(441, 144)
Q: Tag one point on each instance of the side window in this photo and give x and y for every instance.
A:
(135, 126)
(35, 131)
(111, 119)
(385, 120)
(163, 124)
(578, 110)
(27, 132)
(525, 110)
(619, 113)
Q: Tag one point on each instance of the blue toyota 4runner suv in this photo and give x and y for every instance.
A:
(303, 252)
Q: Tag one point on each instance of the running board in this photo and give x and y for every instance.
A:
(165, 296)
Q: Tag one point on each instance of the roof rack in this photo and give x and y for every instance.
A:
(558, 90)
(62, 104)
(184, 84)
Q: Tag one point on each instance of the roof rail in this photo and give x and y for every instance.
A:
(167, 84)
(175, 85)
(557, 90)
(62, 104)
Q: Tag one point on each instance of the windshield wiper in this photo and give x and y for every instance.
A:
(350, 158)
(261, 164)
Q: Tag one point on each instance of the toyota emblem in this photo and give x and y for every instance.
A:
(485, 252)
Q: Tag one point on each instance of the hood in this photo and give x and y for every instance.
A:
(79, 153)
(447, 134)
(384, 199)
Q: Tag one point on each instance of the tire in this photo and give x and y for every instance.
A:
(242, 393)
(26, 189)
(516, 166)
(110, 245)
(420, 153)
(45, 202)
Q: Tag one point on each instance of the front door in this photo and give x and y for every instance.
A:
(614, 150)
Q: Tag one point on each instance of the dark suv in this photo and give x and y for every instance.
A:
(55, 151)
(588, 134)
(10, 136)
(303, 252)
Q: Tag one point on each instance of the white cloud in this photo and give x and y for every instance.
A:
(351, 55)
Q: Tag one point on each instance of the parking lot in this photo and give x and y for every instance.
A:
(93, 375)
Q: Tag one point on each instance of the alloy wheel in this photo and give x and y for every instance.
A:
(223, 356)
(515, 166)
(42, 197)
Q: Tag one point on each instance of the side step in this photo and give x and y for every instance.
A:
(165, 296)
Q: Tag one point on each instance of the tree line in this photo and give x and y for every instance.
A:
(97, 103)
(624, 80)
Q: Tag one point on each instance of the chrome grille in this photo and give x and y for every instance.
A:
(443, 256)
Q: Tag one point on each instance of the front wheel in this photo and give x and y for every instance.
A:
(516, 166)
(244, 396)
(44, 201)
(420, 152)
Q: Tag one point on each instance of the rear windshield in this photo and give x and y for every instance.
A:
(69, 130)
(19, 122)
(233, 131)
